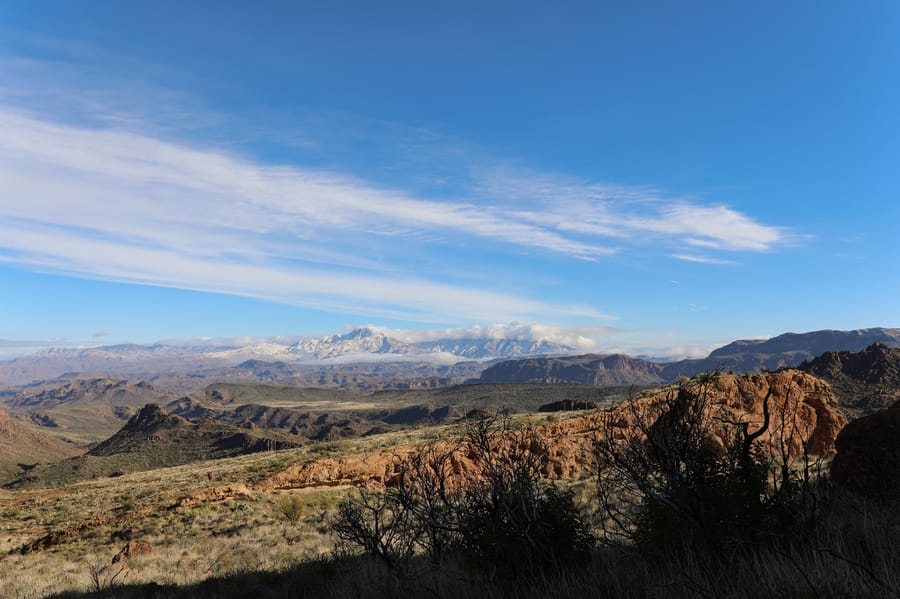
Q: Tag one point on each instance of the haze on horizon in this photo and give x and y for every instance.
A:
(662, 176)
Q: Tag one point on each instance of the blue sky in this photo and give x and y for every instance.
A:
(650, 177)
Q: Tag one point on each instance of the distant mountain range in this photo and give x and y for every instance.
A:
(361, 345)
(367, 359)
(364, 344)
(787, 350)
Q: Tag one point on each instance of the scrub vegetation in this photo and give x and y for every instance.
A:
(687, 503)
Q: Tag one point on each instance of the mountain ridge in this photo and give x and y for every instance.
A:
(338, 358)
(784, 351)
(362, 344)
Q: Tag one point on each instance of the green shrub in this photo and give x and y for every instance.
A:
(291, 507)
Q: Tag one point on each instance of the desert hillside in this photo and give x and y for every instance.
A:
(23, 446)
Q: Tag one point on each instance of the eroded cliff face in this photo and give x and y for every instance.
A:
(802, 409)
(868, 454)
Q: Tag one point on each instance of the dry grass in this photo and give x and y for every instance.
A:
(195, 533)
(191, 539)
(238, 543)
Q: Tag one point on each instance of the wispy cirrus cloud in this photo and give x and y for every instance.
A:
(407, 298)
(105, 201)
(632, 215)
(703, 259)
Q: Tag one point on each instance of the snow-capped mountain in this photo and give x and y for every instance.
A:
(366, 343)
(357, 346)
(487, 349)
(357, 341)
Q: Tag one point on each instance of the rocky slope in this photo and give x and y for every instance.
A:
(154, 439)
(89, 391)
(22, 445)
(88, 410)
(865, 382)
(585, 370)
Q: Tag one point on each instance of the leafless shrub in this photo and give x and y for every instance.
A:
(681, 470)
(106, 576)
(498, 517)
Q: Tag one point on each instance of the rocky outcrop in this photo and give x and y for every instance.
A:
(131, 550)
(868, 454)
(151, 423)
(803, 412)
(864, 382)
(878, 364)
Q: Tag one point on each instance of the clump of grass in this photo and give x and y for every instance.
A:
(291, 507)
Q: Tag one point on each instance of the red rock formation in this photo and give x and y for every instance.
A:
(802, 411)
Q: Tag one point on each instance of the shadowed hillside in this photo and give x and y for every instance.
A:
(23, 446)
(87, 410)
(153, 439)
(864, 381)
